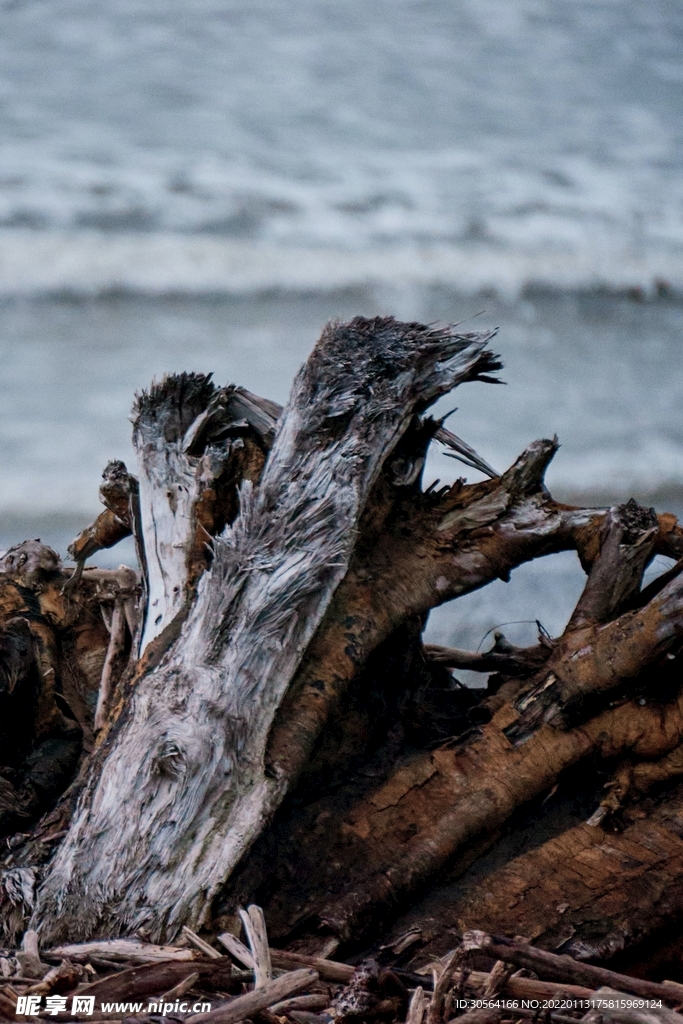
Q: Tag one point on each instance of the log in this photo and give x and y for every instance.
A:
(416, 1007)
(442, 985)
(398, 837)
(329, 970)
(586, 892)
(600, 648)
(121, 951)
(565, 968)
(255, 928)
(440, 802)
(269, 994)
(153, 978)
(417, 552)
(195, 445)
(197, 720)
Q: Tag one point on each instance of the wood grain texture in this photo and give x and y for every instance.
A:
(182, 791)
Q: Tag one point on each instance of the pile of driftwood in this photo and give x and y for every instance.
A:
(483, 981)
(253, 718)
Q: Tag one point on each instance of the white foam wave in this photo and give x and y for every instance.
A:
(88, 263)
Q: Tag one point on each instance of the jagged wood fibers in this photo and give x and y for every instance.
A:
(182, 790)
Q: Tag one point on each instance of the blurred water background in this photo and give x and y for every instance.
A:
(200, 185)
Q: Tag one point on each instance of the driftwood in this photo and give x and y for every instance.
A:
(368, 992)
(262, 997)
(254, 716)
(586, 892)
(197, 721)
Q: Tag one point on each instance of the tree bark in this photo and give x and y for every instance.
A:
(153, 846)
(55, 646)
(442, 803)
(587, 892)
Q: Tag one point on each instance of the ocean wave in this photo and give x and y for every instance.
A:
(92, 263)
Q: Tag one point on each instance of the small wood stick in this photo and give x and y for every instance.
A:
(416, 1009)
(237, 949)
(201, 944)
(498, 975)
(313, 1002)
(255, 926)
(117, 642)
(441, 987)
(180, 989)
(330, 970)
(132, 613)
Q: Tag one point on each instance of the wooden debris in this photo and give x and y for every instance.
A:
(180, 989)
(373, 992)
(200, 944)
(586, 892)
(416, 1007)
(269, 994)
(315, 1001)
(565, 968)
(151, 979)
(63, 978)
(121, 951)
(240, 951)
(329, 970)
(255, 926)
(331, 443)
(29, 957)
(254, 717)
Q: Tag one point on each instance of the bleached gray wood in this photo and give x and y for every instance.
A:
(182, 436)
(416, 1009)
(170, 481)
(257, 934)
(117, 642)
(182, 792)
(199, 943)
(237, 949)
(122, 951)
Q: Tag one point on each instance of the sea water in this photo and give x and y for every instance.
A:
(201, 185)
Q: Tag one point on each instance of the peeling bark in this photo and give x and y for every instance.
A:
(600, 649)
(441, 803)
(587, 892)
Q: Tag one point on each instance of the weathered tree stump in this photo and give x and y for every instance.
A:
(256, 714)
